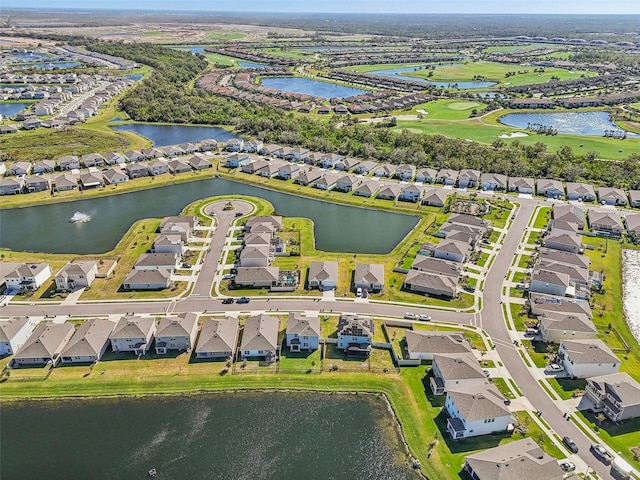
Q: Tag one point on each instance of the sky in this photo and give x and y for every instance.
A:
(353, 6)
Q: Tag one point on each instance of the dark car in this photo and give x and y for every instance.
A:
(243, 300)
(571, 445)
(227, 301)
(239, 214)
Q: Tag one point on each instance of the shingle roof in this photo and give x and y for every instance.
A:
(89, 338)
(260, 333)
(436, 342)
(589, 351)
(458, 366)
(46, 339)
(9, 328)
(478, 402)
(303, 326)
(218, 335)
(181, 326)
(369, 273)
(133, 327)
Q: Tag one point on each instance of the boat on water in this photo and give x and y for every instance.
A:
(153, 472)
(80, 217)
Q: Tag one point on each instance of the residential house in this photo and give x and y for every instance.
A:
(551, 256)
(168, 243)
(270, 150)
(634, 198)
(234, 145)
(468, 178)
(455, 370)
(63, 183)
(208, 145)
(580, 191)
(556, 327)
(137, 170)
(176, 333)
(89, 342)
(190, 147)
(327, 181)
(178, 166)
(587, 358)
(184, 226)
(93, 160)
(260, 337)
(477, 410)
(632, 221)
(423, 345)
(365, 167)
(14, 332)
(20, 168)
(323, 275)
(156, 261)
(431, 283)
(133, 334)
(385, 170)
(297, 154)
(355, 335)
(303, 333)
(329, 160)
(369, 276)
(113, 176)
(172, 151)
(255, 257)
(347, 164)
(493, 181)
(158, 167)
(522, 460)
(405, 172)
(346, 183)
(617, 395)
(274, 222)
(551, 283)
(133, 156)
(147, 279)
(44, 345)
(259, 239)
(612, 196)
(389, 192)
(447, 177)
(114, 158)
(11, 186)
(91, 180)
(152, 152)
(289, 171)
(550, 188)
(69, 162)
(541, 304)
(426, 175)
(411, 193)
(44, 166)
(237, 160)
(608, 223)
(563, 240)
(27, 277)
(367, 189)
(38, 183)
(76, 275)
(257, 277)
(218, 338)
(522, 185)
(452, 250)
(571, 214)
(199, 162)
(307, 177)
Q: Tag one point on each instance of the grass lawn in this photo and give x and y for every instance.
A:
(520, 316)
(567, 388)
(225, 35)
(540, 352)
(621, 437)
(451, 109)
(542, 217)
(222, 60)
(540, 437)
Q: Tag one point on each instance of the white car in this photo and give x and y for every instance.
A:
(359, 292)
(554, 367)
(424, 318)
(410, 316)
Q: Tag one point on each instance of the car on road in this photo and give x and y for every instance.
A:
(506, 401)
(486, 373)
(424, 318)
(243, 300)
(567, 466)
(571, 445)
(410, 316)
(227, 301)
(600, 452)
(239, 214)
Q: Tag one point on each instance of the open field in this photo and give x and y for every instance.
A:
(453, 109)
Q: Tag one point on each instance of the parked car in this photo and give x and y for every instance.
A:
(243, 300)
(600, 452)
(571, 445)
(227, 301)
(410, 316)
(486, 373)
(359, 292)
(506, 401)
(554, 367)
(567, 466)
(239, 214)
(424, 318)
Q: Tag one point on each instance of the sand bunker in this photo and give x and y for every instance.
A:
(513, 135)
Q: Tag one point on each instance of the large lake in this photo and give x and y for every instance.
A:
(46, 228)
(310, 87)
(575, 123)
(10, 109)
(631, 290)
(401, 71)
(243, 436)
(163, 135)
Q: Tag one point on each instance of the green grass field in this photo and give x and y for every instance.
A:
(447, 109)
(513, 48)
(226, 35)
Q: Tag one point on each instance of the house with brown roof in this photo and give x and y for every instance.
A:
(468, 178)
(389, 192)
(634, 198)
(44, 345)
(609, 223)
(323, 275)
(260, 338)
(367, 189)
(176, 333)
(257, 277)
(447, 177)
(435, 197)
(632, 221)
(580, 191)
(522, 185)
(426, 175)
(133, 334)
(89, 342)
(547, 187)
(563, 240)
(76, 275)
(493, 181)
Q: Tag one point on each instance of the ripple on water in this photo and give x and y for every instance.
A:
(631, 290)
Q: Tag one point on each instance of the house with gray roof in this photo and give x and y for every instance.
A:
(158, 167)
(44, 166)
(156, 261)
(580, 191)
(184, 226)
(632, 221)
(555, 327)
(274, 221)
(89, 342)
(468, 178)
(493, 181)
(44, 345)
(176, 333)
(308, 176)
(617, 395)
(455, 370)
(405, 172)
(369, 276)
(11, 186)
(476, 410)
(218, 338)
(411, 193)
(168, 243)
(93, 160)
(69, 162)
(323, 275)
(178, 166)
(609, 223)
(435, 197)
(289, 171)
(20, 168)
(152, 153)
(542, 304)
(255, 256)
(587, 358)
(447, 177)
(551, 282)
(431, 283)
(113, 176)
(549, 255)
(147, 280)
(14, 332)
(423, 345)
(522, 185)
(426, 175)
(347, 164)
(453, 250)
(64, 183)
(260, 338)
(137, 170)
(27, 277)
(547, 187)
(568, 213)
(563, 240)
(91, 180)
(365, 167)
(257, 277)
(237, 160)
(76, 275)
(39, 183)
(612, 196)
(303, 333)
(326, 182)
(346, 183)
(367, 189)
(208, 145)
(389, 192)
(522, 460)
(113, 158)
(269, 169)
(355, 335)
(133, 334)
(634, 198)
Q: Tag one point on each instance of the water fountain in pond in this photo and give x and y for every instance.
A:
(80, 217)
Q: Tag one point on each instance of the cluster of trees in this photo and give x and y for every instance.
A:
(168, 96)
